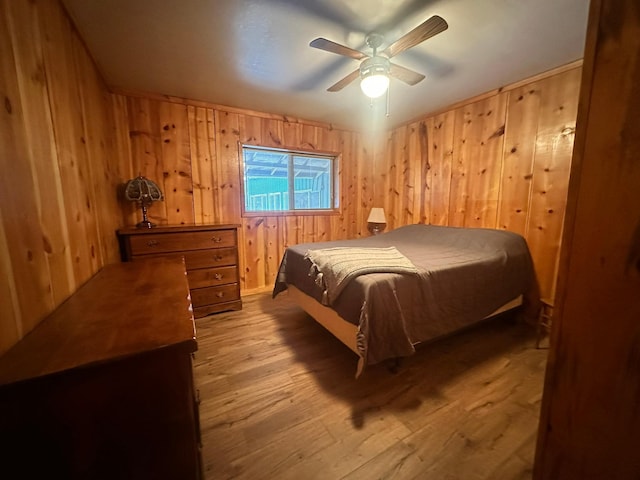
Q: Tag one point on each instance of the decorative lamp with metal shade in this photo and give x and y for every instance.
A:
(145, 192)
(376, 222)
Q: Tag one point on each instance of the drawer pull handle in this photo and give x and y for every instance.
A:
(217, 258)
(218, 276)
(216, 239)
(152, 243)
(220, 294)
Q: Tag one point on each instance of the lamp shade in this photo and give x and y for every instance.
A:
(374, 86)
(374, 75)
(377, 216)
(145, 192)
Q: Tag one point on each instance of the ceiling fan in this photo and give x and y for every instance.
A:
(376, 69)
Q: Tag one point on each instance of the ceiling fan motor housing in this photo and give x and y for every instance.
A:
(374, 66)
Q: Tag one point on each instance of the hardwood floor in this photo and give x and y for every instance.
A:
(279, 401)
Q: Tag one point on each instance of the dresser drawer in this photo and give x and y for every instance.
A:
(195, 259)
(173, 242)
(214, 295)
(211, 258)
(210, 277)
(210, 254)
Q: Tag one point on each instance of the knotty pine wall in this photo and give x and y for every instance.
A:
(192, 150)
(498, 162)
(58, 209)
(68, 144)
(501, 161)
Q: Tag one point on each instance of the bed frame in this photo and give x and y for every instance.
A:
(345, 331)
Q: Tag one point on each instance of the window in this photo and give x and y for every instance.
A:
(286, 181)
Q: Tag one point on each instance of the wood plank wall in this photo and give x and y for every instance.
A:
(590, 411)
(58, 208)
(68, 144)
(498, 162)
(501, 161)
(192, 150)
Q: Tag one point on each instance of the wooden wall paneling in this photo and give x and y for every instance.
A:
(274, 248)
(11, 323)
(253, 260)
(552, 161)
(23, 23)
(308, 230)
(590, 422)
(346, 163)
(466, 153)
(290, 230)
(519, 149)
(382, 151)
(330, 141)
(23, 252)
(253, 253)
(376, 149)
(271, 132)
(250, 130)
(202, 147)
(104, 169)
(482, 158)
(486, 161)
(291, 133)
(460, 168)
(216, 211)
(414, 176)
(123, 156)
(318, 228)
(67, 117)
(146, 152)
(420, 143)
(359, 193)
(441, 130)
(309, 137)
(349, 164)
(176, 162)
(394, 177)
(227, 170)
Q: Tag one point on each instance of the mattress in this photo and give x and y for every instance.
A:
(463, 275)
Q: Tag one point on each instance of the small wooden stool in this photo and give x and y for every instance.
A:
(544, 320)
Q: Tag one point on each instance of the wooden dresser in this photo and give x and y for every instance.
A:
(210, 253)
(103, 387)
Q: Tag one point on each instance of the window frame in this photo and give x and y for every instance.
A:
(291, 152)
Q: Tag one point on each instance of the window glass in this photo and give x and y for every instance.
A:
(282, 181)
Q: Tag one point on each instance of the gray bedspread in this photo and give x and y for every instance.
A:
(463, 276)
(333, 268)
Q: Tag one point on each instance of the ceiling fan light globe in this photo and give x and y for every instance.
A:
(374, 86)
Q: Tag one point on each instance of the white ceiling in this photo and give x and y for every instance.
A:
(255, 54)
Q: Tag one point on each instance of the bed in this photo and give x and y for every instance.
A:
(382, 295)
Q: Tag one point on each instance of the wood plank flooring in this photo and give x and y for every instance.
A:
(279, 401)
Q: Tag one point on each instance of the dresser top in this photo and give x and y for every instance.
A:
(125, 309)
(175, 229)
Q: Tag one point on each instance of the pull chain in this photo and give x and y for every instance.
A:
(388, 103)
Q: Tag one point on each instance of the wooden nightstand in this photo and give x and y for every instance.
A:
(211, 257)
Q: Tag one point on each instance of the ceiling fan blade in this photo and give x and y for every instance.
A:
(333, 47)
(427, 29)
(336, 87)
(407, 76)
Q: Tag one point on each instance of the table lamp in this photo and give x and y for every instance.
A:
(376, 222)
(145, 192)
